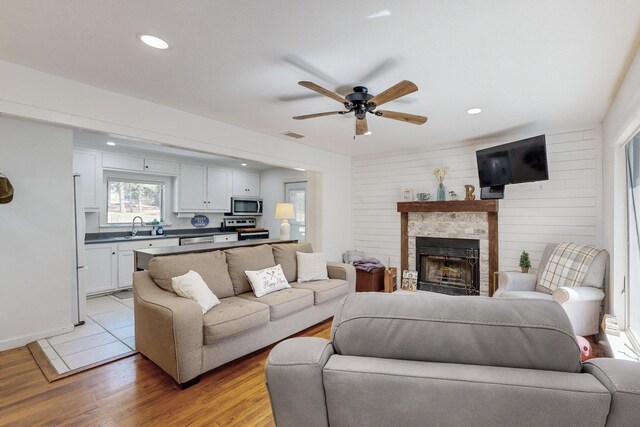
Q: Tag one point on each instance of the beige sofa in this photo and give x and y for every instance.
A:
(175, 335)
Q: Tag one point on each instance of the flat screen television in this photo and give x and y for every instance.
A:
(513, 163)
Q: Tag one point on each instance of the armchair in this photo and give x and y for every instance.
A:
(580, 302)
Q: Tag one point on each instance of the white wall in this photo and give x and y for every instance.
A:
(565, 208)
(27, 93)
(272, 191)
(36, 232)
(619, 125)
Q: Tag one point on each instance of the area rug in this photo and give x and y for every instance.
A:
(51, 373)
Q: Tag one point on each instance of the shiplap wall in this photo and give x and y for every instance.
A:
(565, 208)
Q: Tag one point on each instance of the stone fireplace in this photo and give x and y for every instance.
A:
(448, 266)
(461, 251)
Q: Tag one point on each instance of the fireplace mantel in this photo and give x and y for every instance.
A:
(450, 206)
(490, 207)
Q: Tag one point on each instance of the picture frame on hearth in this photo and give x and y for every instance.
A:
(409, 280)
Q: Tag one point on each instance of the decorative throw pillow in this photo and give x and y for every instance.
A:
(191, 285)
(311, 267)
(267, 280)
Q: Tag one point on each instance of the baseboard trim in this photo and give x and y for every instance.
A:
(15, 342)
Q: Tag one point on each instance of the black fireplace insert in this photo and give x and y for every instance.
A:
(448, 266)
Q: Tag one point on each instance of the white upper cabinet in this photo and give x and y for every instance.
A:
(191, 188)
(218, 189)
(126, 162)
(203, 189)
(88, 164)
(246, 183)
(163, 167)
(122, 162)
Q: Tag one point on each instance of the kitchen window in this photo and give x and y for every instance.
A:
(127, 199)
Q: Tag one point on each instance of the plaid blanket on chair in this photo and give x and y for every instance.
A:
(567, 265)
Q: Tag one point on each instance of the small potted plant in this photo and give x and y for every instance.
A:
(525, 262)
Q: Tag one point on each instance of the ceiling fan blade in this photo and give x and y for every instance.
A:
(403, 88)
(314, 87)
(361, 126)
(310, 116)
(403, 117)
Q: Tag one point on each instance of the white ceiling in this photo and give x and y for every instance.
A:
(531, 65)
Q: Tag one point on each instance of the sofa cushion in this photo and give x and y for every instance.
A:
(241, 259)
(267, 280)
(325, 290)
(285, 255)
(192, 286)
(233, 316)
(473, 330)
(212, 266)
(283, 302)
(311, 267)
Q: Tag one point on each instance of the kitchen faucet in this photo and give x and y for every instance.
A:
(133, 225)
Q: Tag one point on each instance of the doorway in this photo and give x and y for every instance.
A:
(632, 288)
(296, 193)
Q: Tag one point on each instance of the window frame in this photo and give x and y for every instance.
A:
(164, 181)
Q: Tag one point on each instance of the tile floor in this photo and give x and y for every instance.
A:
(108, 331)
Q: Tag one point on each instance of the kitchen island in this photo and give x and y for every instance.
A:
(143, 256)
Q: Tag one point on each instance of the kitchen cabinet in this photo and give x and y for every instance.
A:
(203, 189)
(101, 262)
(126, 257)
(225, 238)
(163, 167)
(122, 162)
(246, 183)
(88, 164)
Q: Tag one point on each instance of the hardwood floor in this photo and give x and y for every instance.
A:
(135, 392)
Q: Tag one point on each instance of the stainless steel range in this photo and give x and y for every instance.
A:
(246, 228)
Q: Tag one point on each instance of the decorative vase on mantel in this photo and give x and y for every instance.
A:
(441, 194)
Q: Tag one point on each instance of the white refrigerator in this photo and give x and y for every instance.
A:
(78, 286)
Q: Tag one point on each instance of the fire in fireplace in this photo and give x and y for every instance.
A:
(448, 266)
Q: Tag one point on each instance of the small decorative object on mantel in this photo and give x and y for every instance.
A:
(409, 280)
(6, 189)
(423, 197)
(406, 195)
(453, 195)
(200, 221)
(469, 189)
(440, 173)
(525, 262)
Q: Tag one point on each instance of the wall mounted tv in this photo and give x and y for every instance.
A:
(512, 163)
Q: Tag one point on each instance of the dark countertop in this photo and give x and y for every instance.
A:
(125, 236)
(144, 255)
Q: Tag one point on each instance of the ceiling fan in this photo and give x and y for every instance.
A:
(362, 102)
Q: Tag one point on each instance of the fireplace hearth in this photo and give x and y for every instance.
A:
(448, 266)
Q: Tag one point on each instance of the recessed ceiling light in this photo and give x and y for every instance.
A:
(367, 133)
(300, 169)
(380, 14)
(111, 143)
(153, 41)
(473, 111)
(243, 164)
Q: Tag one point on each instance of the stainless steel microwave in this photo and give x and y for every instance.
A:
(246, 206)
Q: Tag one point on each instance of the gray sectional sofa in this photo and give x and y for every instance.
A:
(174, 334)
(431, 360)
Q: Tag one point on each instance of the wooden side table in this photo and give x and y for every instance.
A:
(370, 281)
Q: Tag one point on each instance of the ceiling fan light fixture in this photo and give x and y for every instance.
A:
(153, 41)
(474, 111)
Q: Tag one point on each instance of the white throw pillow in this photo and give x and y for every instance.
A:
(192, 286)
(267, 280)
(311, 266)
